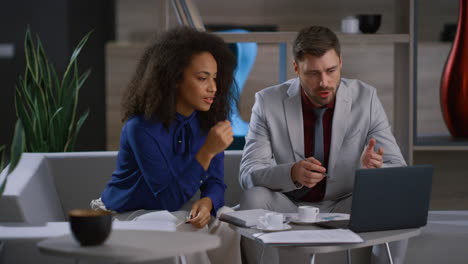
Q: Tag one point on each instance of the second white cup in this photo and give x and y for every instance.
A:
(272, 220)
(307, 213)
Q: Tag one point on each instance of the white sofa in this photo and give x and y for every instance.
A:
(45, 186)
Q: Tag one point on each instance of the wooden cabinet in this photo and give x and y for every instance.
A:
(403, 43)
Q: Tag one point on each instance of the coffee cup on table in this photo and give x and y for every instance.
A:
(307, 213)
(272, 220)
(90, 227)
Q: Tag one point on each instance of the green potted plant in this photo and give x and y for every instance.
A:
(47, 105)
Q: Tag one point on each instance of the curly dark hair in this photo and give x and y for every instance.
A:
(152, 91)
(315, 40)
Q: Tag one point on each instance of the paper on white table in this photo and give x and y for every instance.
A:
(144, 225)
(157, 216)
(304, 237)
(160, 221)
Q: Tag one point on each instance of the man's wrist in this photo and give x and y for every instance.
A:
(294, 180)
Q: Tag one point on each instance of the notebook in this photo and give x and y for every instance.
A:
(244, 218)
(388, 198)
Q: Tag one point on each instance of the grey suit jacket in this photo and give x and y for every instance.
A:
(275, 140)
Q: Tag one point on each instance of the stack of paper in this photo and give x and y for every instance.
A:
(309, 237)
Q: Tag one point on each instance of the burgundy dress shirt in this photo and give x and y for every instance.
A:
(317, 193)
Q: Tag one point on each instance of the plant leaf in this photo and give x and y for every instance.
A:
(17, 146)
(2, 187)
(74, 56)
(2, 157)
(79, 123)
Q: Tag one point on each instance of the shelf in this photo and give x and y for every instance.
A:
(287, 37)
(440, 143)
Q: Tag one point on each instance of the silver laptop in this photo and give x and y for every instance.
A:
(388, 198)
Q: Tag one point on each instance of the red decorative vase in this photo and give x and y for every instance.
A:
(454, 83)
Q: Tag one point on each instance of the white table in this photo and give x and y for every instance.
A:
(370, 239)
(126, 246)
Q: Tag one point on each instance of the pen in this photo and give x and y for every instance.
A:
(189, 217)
(304, 159)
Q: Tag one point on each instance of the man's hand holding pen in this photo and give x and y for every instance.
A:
(308, 172)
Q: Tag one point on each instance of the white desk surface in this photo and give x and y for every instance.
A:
(370, 239)
(132, 246)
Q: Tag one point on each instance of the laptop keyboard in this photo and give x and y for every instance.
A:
(344, 224)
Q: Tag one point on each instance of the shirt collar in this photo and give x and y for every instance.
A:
(183, 119)
(183, 134)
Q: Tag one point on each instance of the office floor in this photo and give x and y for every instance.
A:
(443, 240)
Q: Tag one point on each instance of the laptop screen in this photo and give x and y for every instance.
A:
(391, 198)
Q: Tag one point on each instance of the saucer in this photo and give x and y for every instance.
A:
(271, 229)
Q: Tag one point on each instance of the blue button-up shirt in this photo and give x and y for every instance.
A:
(157, 169)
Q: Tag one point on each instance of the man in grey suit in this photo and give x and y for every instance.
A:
(308, 136)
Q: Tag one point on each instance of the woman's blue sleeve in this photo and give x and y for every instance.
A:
(214, 186)
(170, 192)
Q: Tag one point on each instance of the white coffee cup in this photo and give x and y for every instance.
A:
(307, 213)
(350, 24)
(272, 220)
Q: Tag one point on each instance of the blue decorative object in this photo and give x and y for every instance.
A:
(245, 52)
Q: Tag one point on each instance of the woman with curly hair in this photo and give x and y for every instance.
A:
(175, 111)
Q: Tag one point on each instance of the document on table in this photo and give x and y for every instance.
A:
(144, 225)
(159, 221)
(309, 237)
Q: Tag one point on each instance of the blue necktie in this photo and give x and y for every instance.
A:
(318, 132)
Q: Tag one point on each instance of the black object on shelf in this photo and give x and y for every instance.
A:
(369, 24)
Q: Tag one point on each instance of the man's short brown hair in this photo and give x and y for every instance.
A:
(315, 40)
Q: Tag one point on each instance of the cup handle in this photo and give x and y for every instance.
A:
(262, 220)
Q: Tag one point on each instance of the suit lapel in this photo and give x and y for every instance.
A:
(294, 123)
(339, 124)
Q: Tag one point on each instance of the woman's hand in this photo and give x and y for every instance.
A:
(218, 139)
(200, 214)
